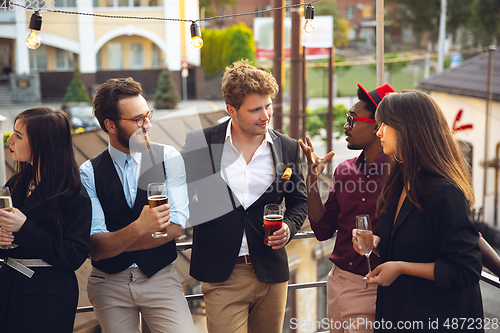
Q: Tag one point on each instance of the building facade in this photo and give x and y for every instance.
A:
(100, 46)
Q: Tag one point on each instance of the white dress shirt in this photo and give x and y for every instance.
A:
(247, 181)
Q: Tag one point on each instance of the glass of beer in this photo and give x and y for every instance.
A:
(157, 196)
(6, 204)
(273, 219)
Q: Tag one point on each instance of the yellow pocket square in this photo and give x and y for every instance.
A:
(287, 174)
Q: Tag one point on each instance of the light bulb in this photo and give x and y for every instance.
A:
(308, 27)
(33, 40)
(197, 42)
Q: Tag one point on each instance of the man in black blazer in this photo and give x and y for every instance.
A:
(233, 170)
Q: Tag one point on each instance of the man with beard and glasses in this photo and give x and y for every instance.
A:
(357, 185)
(131, 270)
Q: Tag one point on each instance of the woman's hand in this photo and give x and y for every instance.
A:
(12, 221)
(358, 248)
(6, 238)
(385, 274)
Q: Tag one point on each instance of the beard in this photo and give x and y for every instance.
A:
(123, 137)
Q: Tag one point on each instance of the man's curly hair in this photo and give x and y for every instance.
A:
(242, 79)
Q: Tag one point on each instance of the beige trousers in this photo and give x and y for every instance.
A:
(244, 304)
(351, 302)
(118, 298)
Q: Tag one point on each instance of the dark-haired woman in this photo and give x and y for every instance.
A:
(430, 259)
(50, 222)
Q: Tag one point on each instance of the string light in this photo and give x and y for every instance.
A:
(33, 40)
(309, 16)
(196, 40)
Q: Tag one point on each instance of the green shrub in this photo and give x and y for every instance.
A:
(166, 96)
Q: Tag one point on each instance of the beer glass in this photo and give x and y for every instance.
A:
(157, 195)
(6, 204)
(273, 219)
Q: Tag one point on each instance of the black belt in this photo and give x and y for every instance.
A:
(244, 260)
(21, 265)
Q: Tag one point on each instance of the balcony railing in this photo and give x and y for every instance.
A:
(486, 277)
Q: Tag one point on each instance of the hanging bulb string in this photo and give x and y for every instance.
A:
(161, 18)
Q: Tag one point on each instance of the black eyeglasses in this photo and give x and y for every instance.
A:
(351, 119)
(141, 119)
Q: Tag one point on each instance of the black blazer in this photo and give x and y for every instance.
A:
(47, 301)
(218, 219)
(443, 233)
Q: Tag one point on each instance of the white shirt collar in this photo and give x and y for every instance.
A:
(229, 135)
(120, 156)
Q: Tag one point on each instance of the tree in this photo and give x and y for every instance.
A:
(316, 121)
(423, 16)
(341, 27)
(166, 96)
(76, 91)
(223, 47)
(484, 22)
(210, 5)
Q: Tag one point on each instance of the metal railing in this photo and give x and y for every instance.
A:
(486, 277)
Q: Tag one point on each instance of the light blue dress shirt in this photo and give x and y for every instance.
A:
(175, 181)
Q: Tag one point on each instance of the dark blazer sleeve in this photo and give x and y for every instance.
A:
(459, 261)
(70, 252)
(295, 189)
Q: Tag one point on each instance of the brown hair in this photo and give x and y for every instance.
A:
(108, 96)
(424, 140)
(242, 79)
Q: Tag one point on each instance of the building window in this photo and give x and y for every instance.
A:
(156, 52)
(136, 55)
(115, 56)
(38, 59)
(98, 64)
(65, 60)
(350, 12)
(64, 3)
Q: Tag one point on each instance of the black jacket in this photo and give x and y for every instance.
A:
(443, 233)
(219, 219)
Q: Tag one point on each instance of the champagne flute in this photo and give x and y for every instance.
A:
(273, 220)
(364, 235)
(157, 195)
(6, 204)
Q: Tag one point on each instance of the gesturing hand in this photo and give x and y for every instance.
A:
(315, 164)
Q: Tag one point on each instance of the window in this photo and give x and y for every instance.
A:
(64, 3)
(38, 59)
(156, 52)
(350, 12)
(98, 64)
(115, 56)
(136, 55)
(65, 60)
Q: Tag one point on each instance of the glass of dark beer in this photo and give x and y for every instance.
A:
(6, 204)
(157, 195)
(273, 219)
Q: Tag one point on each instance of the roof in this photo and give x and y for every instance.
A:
(468, 79)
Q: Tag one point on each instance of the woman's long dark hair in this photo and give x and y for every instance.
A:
(424, 140)
(53, 169)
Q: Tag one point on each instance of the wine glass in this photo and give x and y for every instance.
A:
(364, 235)
(157, 195)
(6, 204)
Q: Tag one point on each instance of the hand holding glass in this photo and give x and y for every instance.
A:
(157, 196)
(364, 236)
(273, 220)
(6, 204)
